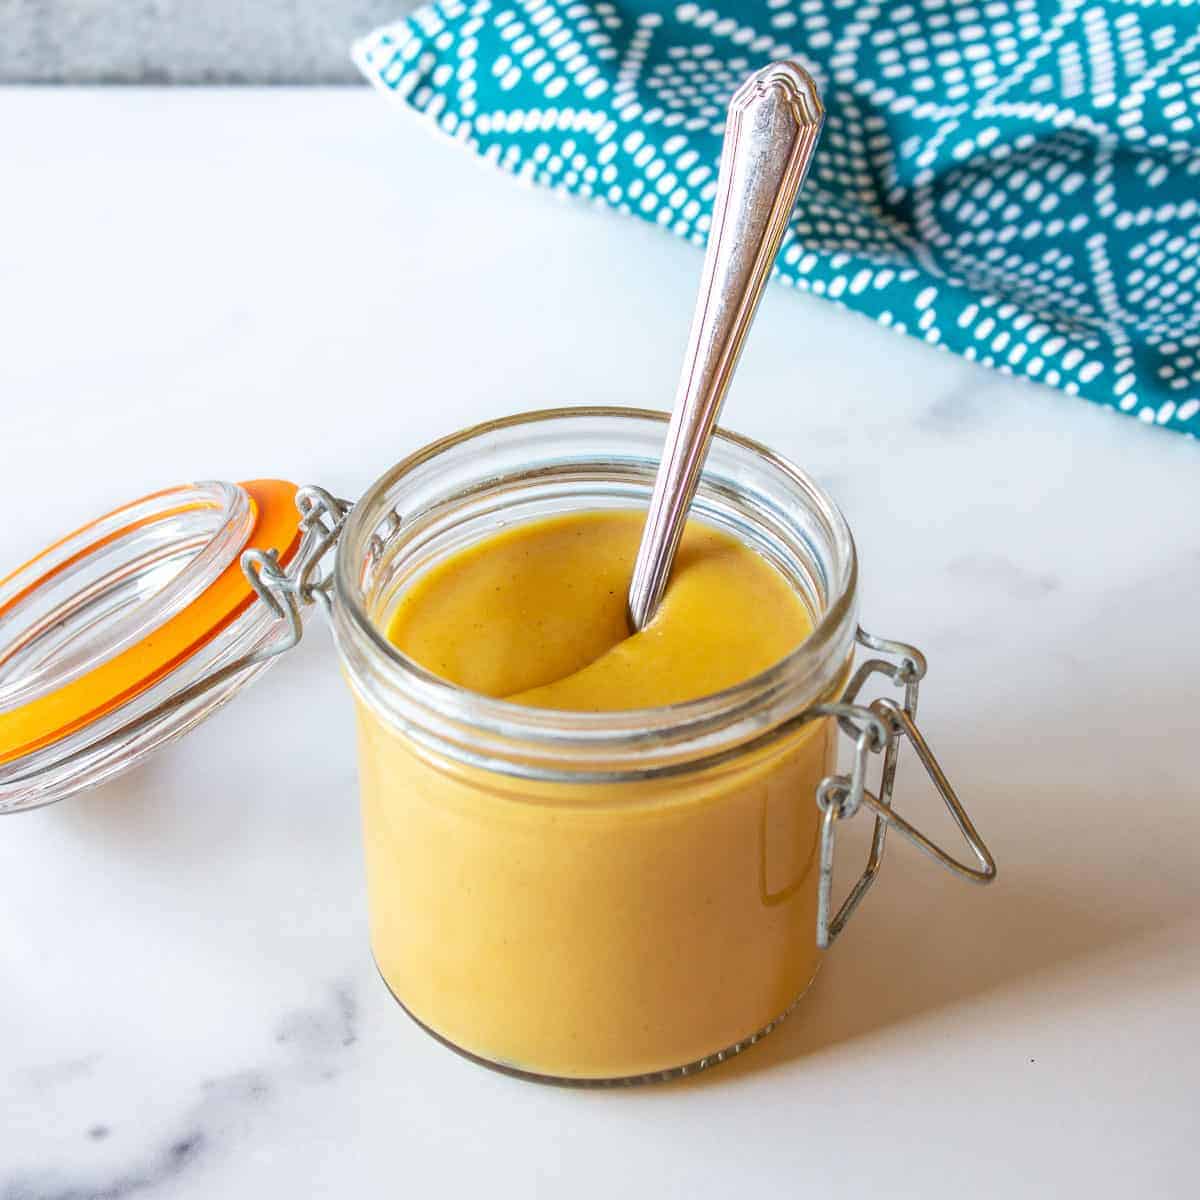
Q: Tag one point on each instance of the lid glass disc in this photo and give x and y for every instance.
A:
(113, 582)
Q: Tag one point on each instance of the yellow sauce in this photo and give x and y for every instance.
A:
(594, 930)
(537, 614)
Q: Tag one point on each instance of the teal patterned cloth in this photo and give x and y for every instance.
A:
(1018, 182)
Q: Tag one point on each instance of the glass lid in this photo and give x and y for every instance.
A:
(110, 639)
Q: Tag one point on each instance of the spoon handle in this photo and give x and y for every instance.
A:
(770, 133)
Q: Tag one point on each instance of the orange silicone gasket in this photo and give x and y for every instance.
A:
(76, 704)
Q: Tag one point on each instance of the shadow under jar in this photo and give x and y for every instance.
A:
(578, 896)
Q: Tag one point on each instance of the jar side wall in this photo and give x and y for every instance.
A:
(616, 936)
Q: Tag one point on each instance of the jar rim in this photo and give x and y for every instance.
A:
(361, 640)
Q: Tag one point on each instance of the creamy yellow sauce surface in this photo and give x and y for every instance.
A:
(588, 930)
(537, 614)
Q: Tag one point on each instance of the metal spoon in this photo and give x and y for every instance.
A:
(770, 133)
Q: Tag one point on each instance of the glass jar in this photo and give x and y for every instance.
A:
(582, 897)
(591, 896)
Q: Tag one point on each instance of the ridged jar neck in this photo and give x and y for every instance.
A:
(459, 490)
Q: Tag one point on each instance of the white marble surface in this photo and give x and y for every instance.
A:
(233, 284)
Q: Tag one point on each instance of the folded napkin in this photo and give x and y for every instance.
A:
(1018, 182)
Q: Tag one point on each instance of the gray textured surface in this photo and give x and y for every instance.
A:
(185, 41)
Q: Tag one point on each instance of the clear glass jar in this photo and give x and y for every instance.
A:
(583, 897)
(591, 896)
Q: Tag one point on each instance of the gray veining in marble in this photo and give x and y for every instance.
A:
(177, 41)
(215, 1118)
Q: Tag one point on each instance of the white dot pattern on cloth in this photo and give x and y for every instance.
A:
(1018, 182)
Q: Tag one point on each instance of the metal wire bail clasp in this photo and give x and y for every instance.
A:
(286, 590)
(878, 729)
